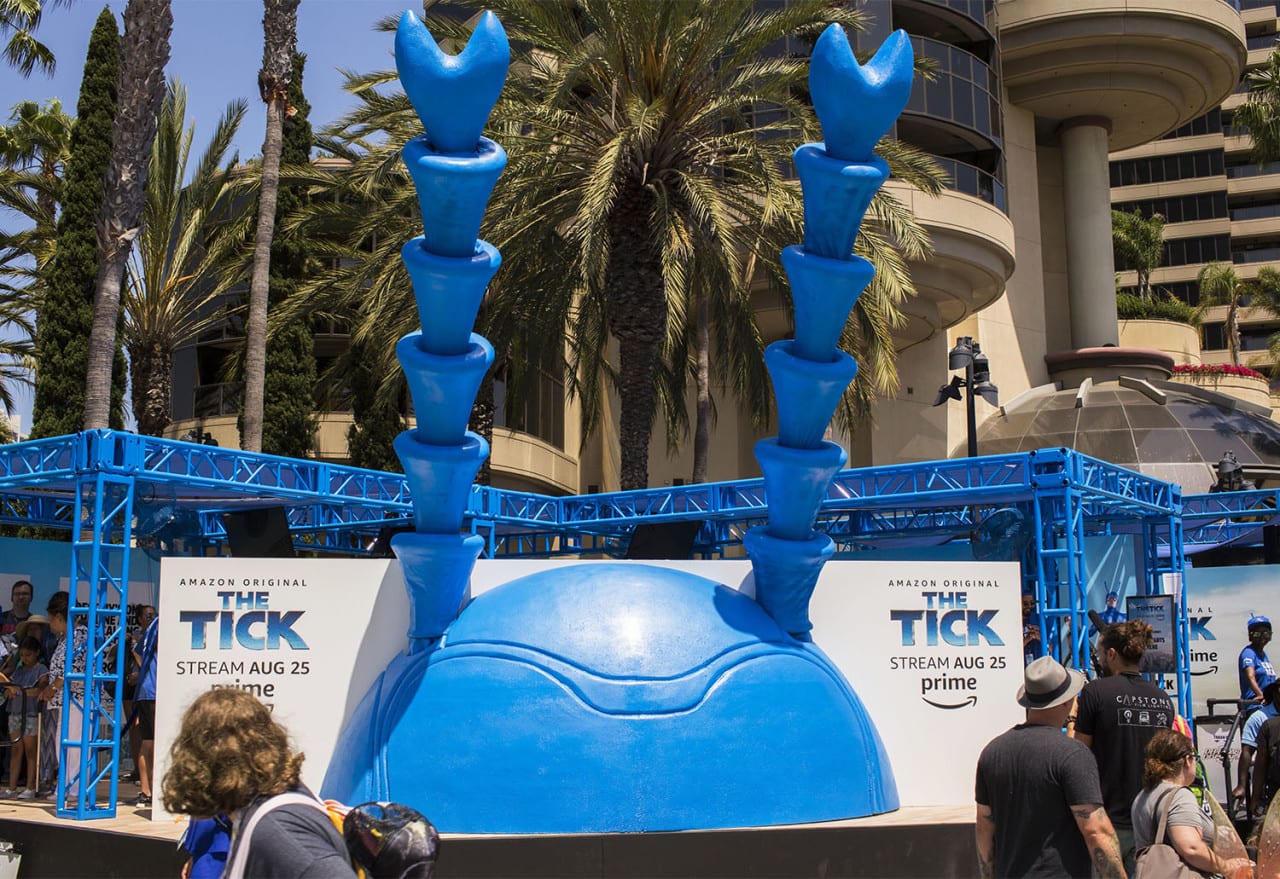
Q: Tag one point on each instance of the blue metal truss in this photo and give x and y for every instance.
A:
(99, 483)
(1223, 517)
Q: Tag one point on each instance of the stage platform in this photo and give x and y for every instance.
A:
(911, 842)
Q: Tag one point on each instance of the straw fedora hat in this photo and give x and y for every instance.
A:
(25, 625)
(1047, 683)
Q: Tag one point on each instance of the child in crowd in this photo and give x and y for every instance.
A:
(206, 841)
(32, 676)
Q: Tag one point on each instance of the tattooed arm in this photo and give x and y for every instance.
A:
(986, 833)
(1101, 839)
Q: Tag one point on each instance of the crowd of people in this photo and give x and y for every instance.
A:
(232, 769)
(33, 663)
(1105, 770)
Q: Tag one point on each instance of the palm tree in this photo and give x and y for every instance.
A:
(636, 184)
(18, 21)
(37, 141)
(280, 30)
(1259, 116)
(17, 353)
(1220, 285)
(191, 233)
(34, 149)
(1139, 245)
(144, 51)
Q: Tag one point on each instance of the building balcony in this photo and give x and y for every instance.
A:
(973, 244)
(963, 95)
(1260, 227)
(519, 460)
(976, 11)
(1167, 189)
(1258, 15)
(1198, 228)
(1146, 65)
(1253, 184)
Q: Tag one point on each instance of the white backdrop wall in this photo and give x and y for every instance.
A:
(932, 648)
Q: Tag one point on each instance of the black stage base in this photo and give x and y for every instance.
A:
(930, 848)
(72, 849)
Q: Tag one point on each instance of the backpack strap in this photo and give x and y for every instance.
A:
(241, 838)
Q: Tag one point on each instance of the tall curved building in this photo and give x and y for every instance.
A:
(1027, 100)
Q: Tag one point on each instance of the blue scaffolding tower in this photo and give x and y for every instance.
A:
(99, 484)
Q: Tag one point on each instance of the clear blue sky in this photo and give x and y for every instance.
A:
(216, 52)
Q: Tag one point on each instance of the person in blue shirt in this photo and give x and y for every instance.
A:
(206, 841)
(1256, 670)
(145, 705)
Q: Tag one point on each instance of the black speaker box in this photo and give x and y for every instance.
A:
(259, 533)
(663, 540)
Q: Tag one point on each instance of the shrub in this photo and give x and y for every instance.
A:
(1131, 307)
(1216, 369)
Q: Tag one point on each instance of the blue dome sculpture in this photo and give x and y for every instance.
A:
(611, 697)
(608, 698)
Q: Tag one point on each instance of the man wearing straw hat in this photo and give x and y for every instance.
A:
(1039, 800)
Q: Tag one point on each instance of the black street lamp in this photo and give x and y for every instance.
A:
(967, 355)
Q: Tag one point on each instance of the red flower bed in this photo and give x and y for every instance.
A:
(1207, 369)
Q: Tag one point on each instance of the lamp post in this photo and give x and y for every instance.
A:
(967, 355)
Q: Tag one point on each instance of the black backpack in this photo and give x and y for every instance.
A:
(390, 841)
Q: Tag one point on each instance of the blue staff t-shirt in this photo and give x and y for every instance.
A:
(1263, 671)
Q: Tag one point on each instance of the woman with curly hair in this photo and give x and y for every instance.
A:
(1116, 716)
(231, 758)
(1169, 767)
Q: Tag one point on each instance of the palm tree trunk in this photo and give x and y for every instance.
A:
(144, 51)
(1233, 331)
(255, 357)
(151, 386)
(638, 318)
(702, 353)
(280, 35)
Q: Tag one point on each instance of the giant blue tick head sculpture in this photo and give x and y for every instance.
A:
(619, 697)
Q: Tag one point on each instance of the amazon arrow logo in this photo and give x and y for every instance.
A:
(972, 700)
(1213, 670)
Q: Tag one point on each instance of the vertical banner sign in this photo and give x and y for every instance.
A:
(1157, 612)
(934, 649)
(307, 637)
(1220, 602)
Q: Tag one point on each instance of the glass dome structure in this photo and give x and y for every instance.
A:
(1168, 430)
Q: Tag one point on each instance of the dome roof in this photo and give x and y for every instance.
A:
(613, 698)
(1167, 430)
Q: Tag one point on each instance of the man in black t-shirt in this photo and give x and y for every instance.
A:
(1116, 716)
(1266, 768)
(1039, 803)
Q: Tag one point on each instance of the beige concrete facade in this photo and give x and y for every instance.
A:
(1135, 69)
(1252, 209)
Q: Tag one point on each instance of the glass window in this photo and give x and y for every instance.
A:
(982, 114)
(937, 97)
(963, 92)
(916, 101)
